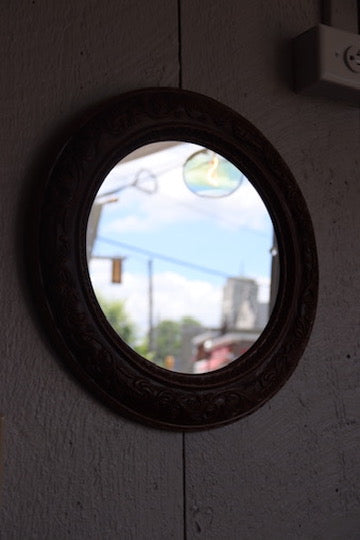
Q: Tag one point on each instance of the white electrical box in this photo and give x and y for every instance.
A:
(327, 63)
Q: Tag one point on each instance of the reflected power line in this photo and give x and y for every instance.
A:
(155, 255)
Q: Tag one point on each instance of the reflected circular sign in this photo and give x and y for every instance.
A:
(209, 175)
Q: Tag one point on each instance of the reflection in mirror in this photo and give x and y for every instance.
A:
(181, 252)
(209, 175)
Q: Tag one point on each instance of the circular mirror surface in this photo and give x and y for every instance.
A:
(181, 252)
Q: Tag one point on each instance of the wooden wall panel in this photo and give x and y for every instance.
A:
(72, 468)
(290, 470)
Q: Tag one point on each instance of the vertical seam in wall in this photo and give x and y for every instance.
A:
(324, 12)
(184, 485)
(179, 42)
(328, 12)
(183, 433)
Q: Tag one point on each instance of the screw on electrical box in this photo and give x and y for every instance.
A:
(352, 58)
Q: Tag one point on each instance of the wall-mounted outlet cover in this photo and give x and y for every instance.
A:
(327, 63)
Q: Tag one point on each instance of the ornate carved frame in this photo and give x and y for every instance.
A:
(111, 369)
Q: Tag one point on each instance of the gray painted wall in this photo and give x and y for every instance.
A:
(73, 469)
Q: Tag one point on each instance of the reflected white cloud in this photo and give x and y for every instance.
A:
(174, 295)
(173, 200)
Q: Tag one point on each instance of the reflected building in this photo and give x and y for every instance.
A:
(241, 309)
(243, 319)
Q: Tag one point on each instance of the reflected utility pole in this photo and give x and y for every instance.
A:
(150, 292)
(275, 273)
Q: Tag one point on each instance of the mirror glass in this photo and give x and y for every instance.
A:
(182, 256)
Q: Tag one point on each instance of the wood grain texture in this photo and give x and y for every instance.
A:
(342, 14)
(72, 468)
(291, 469)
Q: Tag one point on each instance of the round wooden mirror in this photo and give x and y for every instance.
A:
(108, 202)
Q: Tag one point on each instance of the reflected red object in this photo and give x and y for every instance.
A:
(223, 350)
(219, 357)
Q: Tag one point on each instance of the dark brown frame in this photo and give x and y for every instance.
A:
(110, 368)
